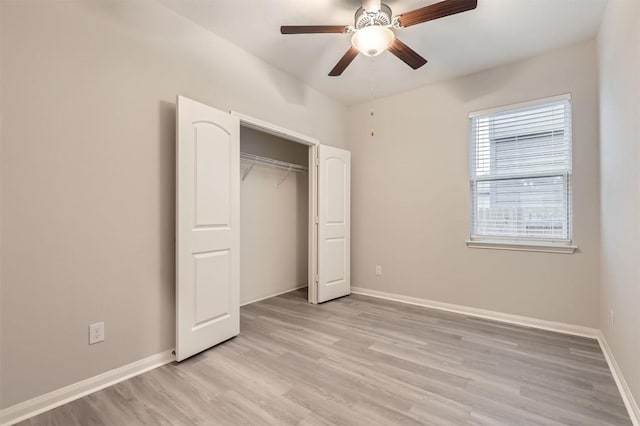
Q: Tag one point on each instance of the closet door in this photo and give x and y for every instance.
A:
(334, 223)
(207, 227)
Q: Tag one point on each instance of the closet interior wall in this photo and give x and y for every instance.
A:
(273, 218)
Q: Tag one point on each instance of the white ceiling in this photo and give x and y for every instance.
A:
(497, 32)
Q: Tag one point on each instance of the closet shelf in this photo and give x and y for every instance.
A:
(256, 159)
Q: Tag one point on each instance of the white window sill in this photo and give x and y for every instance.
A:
(522, 245)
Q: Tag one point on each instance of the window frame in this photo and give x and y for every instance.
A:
(535, 244)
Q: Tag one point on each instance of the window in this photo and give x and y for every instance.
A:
(520, 172)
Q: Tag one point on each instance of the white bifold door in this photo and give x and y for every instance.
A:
(334, 223)
(208, 232)
(208, 226)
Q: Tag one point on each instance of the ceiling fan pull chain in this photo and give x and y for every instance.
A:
(371, 95)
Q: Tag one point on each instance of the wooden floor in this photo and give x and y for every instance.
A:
(365, 361)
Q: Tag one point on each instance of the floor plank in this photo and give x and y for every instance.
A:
(364, 361)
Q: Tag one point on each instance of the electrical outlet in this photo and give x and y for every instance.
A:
(613, 319)
(96, 333)
(378, 270)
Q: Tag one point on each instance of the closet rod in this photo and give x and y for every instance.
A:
(274, 163)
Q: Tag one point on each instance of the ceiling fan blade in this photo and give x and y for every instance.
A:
(435, 11)
(344, 62)
(312, 29)
(407, 54)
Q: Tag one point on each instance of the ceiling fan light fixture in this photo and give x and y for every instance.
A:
(372, 40)
(372, 30)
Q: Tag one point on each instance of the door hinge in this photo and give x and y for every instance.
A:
(317, 278)
(317, 162)
(317, 219)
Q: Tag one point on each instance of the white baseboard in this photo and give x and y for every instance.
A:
(623, 387)
(559, 327)
(272, 295)
(48, 401)
(576, 330)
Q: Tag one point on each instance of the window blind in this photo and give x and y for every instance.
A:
(520, 172)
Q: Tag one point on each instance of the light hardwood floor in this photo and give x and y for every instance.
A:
(365, 361)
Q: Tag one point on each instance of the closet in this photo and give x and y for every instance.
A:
(274, 215)
(247, 192)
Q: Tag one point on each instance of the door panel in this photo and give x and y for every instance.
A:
(212, 286)
(335, 249)
(334, 227)
(335, 182)
(213, 162)
(207, 227)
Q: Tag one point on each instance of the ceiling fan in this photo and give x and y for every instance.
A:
(373, 30)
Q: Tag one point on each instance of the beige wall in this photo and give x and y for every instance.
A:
(619, 49)
(410, 194)
(274, 219)
(88, 92)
